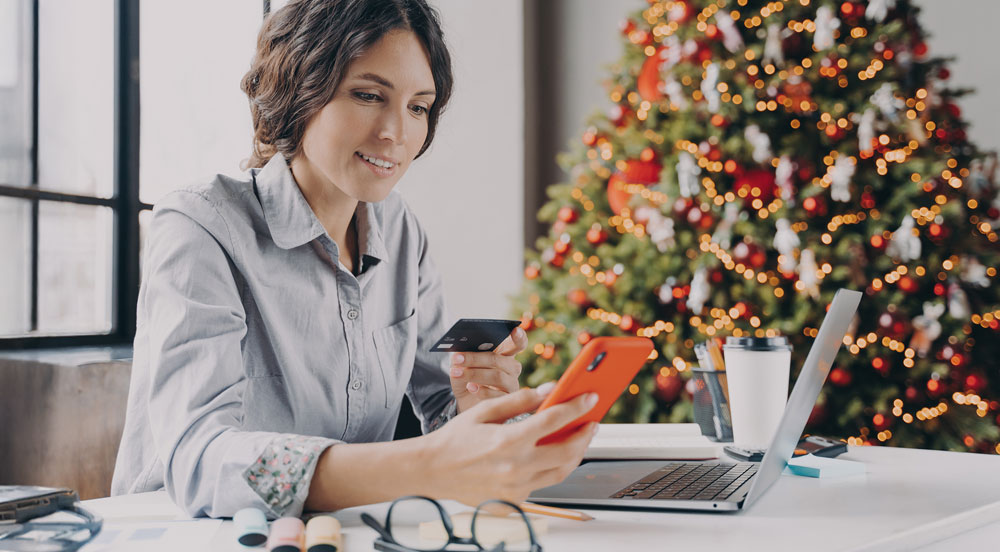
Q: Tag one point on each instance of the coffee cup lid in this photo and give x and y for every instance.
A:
(778, 343)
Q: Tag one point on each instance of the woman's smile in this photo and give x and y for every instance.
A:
(379, 165)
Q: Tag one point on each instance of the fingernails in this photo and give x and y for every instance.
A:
(594, 427)
(458, 359)
(472, 387)
(592, 399)
(518, 332)
(456, 371)
(544, 389)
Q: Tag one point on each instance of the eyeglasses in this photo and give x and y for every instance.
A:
(51, 536)
(421, 524)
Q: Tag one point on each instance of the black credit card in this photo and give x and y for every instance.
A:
(475, 334)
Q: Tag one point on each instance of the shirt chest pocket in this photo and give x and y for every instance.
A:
(396, 348)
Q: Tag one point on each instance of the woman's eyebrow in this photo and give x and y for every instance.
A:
(383, 82)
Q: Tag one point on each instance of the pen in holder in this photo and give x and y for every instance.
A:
(711, 395)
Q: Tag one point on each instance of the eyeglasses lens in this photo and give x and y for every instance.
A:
(416, 524)
(498, 522)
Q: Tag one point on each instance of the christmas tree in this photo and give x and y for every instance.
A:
(761, 155)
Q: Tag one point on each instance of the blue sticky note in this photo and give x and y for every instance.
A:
(818, 466)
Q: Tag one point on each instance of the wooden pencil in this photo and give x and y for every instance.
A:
(552, 511)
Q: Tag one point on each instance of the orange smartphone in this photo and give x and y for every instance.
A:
(605, 366)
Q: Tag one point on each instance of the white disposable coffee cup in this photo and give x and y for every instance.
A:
(757, 370)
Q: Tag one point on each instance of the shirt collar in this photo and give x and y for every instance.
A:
(291, 220)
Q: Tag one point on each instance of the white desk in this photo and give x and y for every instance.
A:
(907, 500)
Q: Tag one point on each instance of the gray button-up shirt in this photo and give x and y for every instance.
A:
(250, 331)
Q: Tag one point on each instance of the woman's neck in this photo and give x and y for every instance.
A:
(334, 209)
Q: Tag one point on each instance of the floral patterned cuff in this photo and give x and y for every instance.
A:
(447, 413)
(283, 472)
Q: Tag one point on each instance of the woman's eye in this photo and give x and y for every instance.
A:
(418, 109)
(366, 96)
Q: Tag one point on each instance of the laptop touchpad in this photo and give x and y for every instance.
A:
(599, 479)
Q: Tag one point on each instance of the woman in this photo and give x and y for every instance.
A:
(282, 318)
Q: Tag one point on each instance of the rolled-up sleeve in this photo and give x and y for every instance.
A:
(196, 324)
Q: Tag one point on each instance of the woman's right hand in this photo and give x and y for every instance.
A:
(476, 457)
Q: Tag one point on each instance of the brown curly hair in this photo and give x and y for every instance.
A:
(303, 52)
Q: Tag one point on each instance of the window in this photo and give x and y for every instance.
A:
(81, 165)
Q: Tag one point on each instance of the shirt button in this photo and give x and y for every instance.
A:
(352, 314)
(356, 385)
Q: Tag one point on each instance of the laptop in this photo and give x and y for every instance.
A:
(719, 485)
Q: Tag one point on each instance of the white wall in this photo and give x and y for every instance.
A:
(467, 189)
(965, 30)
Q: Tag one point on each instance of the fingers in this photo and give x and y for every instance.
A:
(555, 418)
(516, 342)
(486, 360)
(507, 406)
(557, 460)
(477, 378)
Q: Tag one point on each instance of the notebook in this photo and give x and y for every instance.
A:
(651, 442)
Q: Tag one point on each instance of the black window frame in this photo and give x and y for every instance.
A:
(124, 202)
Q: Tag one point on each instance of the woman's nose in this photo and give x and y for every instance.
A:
(392, 125)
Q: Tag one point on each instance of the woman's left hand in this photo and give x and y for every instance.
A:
(479, 376)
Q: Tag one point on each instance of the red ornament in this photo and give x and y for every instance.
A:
(953, 110)
(619, 115)
(750, 254)
(975, 383)
(628, 324)
(880, 365)
(757, 183)
(881, 422)
(531, 272)
(933, 387)
(568, 215)
(840, 377)
(648, 82)
(596, 236)
(944, 73)
(636, 172)
(893, 325)
(626, 26)
(818, 414)
(680, 12)
(589, 137)
(578, 297)
(814, 205)
(907, 284)
(668, 387)
(911, 393)
(920, 49)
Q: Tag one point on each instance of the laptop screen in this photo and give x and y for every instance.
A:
(806, 391)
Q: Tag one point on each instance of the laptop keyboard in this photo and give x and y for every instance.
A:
(690, 481)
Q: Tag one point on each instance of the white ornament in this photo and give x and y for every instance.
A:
(699, 290)
(886, 101)
(773, 52)
(783, 178)
(785, 241)
(688, 172)
(878, 9)
(724, 231)
(866, 131)
(666, 291)
(905, 243)
(982, 174)
(659, 227)
(926, 328)
(807, 272)
(841, 174)
(826, 23)
(674, 92)
(708, 87)
(760, 142)
(958, 303)
(974, 272)
(731, 37)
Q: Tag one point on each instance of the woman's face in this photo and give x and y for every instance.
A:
(365, 138)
